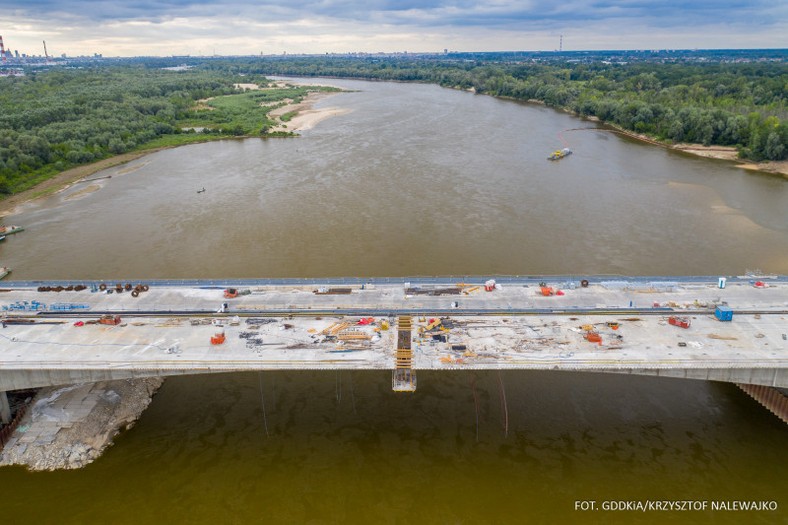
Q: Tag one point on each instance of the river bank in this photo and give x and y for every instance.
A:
(70, 427)
(729, 153)
(305, 117)
(65, 179)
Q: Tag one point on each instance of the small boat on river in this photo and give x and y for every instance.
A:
(8, 230)
(4, 271)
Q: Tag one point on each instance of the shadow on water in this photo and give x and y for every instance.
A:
(343, 447)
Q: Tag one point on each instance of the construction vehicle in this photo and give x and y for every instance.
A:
(232, 293)
(109, 319)
(593, 337)
(433, 324)
(218, 338)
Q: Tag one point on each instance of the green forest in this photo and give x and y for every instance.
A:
(53, 119)
(56, 119)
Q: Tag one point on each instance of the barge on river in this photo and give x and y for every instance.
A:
(560, 154)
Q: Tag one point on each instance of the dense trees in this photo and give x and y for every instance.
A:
(55, 119)
(52, 120)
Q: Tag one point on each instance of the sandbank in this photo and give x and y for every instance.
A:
(306, 116)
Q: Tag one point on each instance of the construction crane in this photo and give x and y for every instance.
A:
(46, 55)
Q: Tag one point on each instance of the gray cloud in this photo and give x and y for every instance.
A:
(241, 26)
(420, 12)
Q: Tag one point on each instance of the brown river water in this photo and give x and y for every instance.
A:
(416, 180)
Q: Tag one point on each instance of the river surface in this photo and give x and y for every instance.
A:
(415, 180)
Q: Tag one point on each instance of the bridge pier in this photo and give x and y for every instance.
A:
(5, 409)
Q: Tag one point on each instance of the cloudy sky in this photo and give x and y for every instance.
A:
(234, 27)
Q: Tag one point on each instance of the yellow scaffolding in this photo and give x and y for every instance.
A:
(403, 377)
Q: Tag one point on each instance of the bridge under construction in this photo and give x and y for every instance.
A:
(730, 329)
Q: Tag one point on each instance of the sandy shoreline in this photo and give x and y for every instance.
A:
(728, 153)
(66, 179)
(307, 118)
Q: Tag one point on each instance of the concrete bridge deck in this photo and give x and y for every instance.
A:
(285, 325)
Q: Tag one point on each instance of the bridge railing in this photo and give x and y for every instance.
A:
(412, 280)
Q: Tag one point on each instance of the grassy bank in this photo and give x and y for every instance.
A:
(50, 181)
(55, 120)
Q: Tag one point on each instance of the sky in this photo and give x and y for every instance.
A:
(243, 27)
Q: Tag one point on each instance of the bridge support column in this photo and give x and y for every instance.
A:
(5, 409)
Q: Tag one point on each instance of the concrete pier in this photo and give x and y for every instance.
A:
(5, 409)
(614, 325)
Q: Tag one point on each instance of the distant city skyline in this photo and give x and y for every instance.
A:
(245, 27)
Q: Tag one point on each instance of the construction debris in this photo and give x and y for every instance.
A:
(333, 291)
(681, 322)
(452, 290)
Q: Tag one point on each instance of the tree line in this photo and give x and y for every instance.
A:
(51, 120)
(56, 119)
(717, 103)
